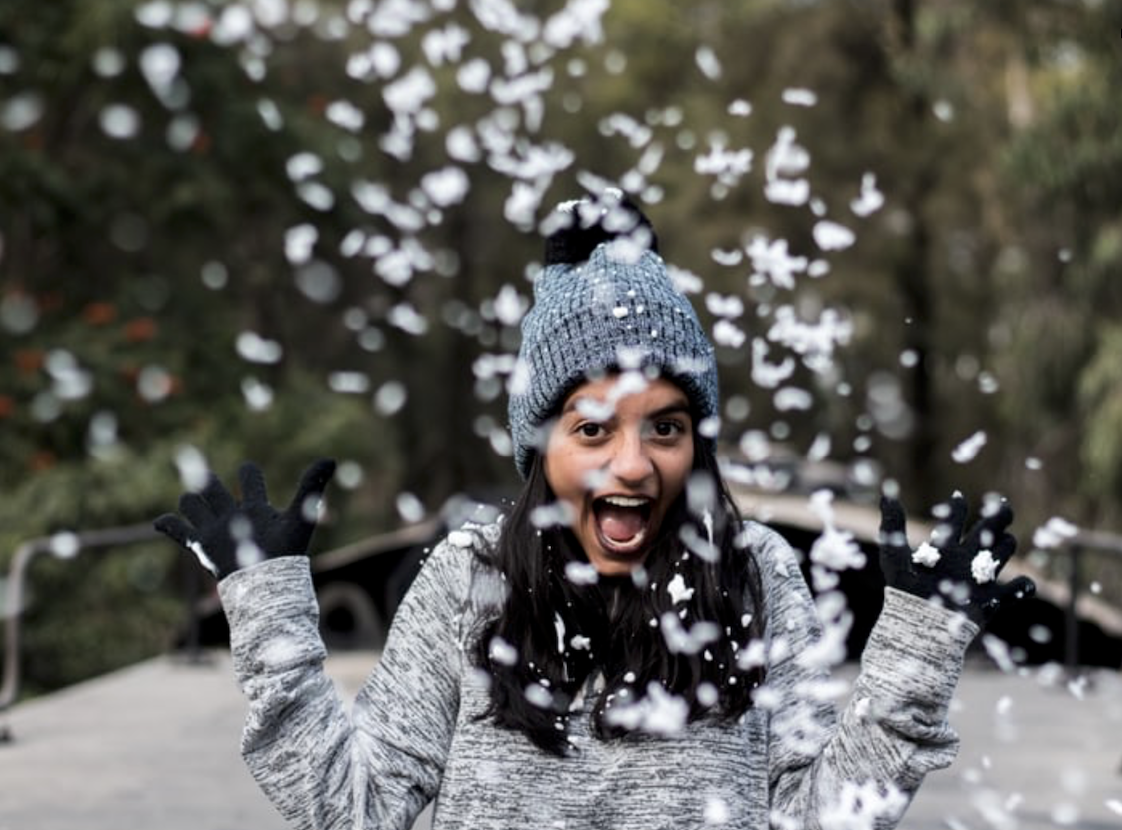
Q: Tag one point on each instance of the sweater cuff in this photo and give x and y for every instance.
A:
(273, 615)
(917, 647)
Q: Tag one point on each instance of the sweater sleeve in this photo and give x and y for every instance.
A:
(322, 766)
(865, 765)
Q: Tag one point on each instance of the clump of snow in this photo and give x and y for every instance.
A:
(539, 695)
(765, 374)
(708, 62)
(791, 398)
(787, 160)
(682, 641)
(770, 259)
(716, 811)
(581, 573)
(752, 656)
(280, 651)
(726, 166)
(65, 544)
(863, 806)
(998, 651)
(254, 348)
(870, 200)
(678, 590)
(390, 398)
(447, 186)
(698, 544)
(554, 514)
(247, 553)
(832, 236)
(740, 108)
(800, 97)
(502, 652)
(461, 539)
(658, 713)
(834, 549)
(969, 449)
(984, 567)
(814, 342)
(192, 467)
(1054, 533)
(926, 554)
(409, 507)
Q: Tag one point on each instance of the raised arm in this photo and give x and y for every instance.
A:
(322, 766)
(867, 765)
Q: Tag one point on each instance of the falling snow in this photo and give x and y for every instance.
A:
(1054, 533)
(781, 335)
(965, 452)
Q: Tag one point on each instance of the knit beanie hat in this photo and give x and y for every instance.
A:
(603, 301)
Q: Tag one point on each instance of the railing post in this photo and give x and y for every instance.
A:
(192, 650)
(1071, 622)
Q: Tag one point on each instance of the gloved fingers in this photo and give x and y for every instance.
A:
(1003, 549)
(1019, 588)
(253, 483)
(215, 494)
(990, 528)
(309, 491)
(197, 510)
(951, 518)
(892, 523)
(186, 537)
(174, 528)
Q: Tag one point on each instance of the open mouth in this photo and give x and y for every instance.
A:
(622, 522)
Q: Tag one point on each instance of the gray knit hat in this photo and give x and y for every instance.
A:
(603, 301)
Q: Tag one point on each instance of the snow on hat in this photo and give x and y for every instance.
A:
(603, 301)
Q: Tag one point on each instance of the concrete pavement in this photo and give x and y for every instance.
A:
(156, 746)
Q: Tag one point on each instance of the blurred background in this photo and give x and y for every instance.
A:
(285, 229)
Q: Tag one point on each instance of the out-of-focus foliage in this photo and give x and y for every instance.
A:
(1065, 175)
(284, 230)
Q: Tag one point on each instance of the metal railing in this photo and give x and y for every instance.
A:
(63, 545)
(66, 545)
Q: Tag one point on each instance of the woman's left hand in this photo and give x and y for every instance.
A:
(960, 568)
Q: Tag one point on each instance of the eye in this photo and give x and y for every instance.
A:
(668, 428)
(590, 429)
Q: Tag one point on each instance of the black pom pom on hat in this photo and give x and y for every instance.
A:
(580, 226)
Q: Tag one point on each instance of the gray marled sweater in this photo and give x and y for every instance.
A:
(413, 733)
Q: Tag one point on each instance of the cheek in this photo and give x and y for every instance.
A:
(677, 472)
(563, 473)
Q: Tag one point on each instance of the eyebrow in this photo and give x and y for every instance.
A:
(678, 407)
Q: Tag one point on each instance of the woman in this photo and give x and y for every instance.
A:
(621, 651)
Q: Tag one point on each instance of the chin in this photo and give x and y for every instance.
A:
(611, 563)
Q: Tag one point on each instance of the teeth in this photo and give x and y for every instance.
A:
(625, 501)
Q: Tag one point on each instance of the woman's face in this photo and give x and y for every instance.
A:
(617, 458)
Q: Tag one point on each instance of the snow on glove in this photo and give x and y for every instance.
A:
(226, 534)
(958, 567)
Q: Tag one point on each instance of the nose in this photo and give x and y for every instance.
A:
(630, 463)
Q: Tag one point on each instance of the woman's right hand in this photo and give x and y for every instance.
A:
(226, 534)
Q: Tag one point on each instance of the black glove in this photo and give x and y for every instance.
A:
(955, 573)
(227, 535)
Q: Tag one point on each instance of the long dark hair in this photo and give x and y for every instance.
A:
(554, 631)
